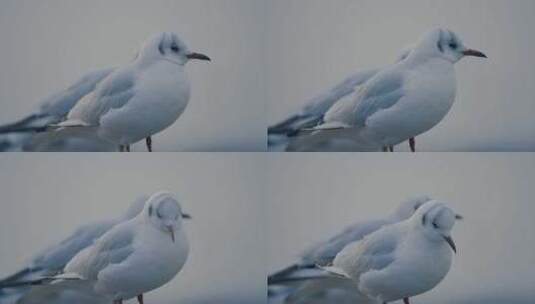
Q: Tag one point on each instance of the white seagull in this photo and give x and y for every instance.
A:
(323, 253)
(137, 100)
(136, 256)
(405, 99)
(401, 260)
(312, 113)
(53, 259)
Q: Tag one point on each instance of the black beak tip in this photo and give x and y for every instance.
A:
(450, 242)
(198, 56)
(186, 216)
(474, 53)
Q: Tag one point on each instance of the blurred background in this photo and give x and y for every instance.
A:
(315, 44)
(46, 196)
(48, 46)
(314, 196)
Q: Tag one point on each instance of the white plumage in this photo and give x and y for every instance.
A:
(136, 256)
(401, 101)
(402, 260)
(140, 99)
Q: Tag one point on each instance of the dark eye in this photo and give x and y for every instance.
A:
(435, 225)
(175, 48)
(453, 45)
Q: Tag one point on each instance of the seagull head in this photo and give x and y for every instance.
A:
(168, 46)
(408, 207)
(445, 44)
(436, 220)
(164, 212)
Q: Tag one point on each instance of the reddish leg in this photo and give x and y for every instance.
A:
(406, 300)
(149, 144)
(385, 149)
(412, 143)
(391, 148)
(127, 148)
(140, 299)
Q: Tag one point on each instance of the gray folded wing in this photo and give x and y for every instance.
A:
(324, 253)
(381, 93)
(114, 247)
(374, 252)
(113, 93)
(312, 113)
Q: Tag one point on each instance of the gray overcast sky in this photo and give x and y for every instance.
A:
(313, 44)
(313, 196)
(45, 196)
(48, 45)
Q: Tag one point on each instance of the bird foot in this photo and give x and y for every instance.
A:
(412, 144)
(149, 144)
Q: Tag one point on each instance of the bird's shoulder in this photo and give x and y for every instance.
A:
(383, 91)
(374, 252)
(327, 250)
(113, 247)
(323, 102)
(113, 92)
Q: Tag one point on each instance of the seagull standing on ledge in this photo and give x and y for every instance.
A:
(136, 256)
(404, 100)
(135, 101)
(323, 253)
(401, 260)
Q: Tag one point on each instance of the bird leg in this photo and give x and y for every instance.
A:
(385, 149)
(406, 300)
(391, 148)
(121, 148)
(412, 144)
(127, 148)
(149, 144)
(118, 301)
(140, 298)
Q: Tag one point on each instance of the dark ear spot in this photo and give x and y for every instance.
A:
(150, 210)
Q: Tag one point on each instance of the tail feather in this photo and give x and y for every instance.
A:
(22, 124)
(41, 281)
(297, 273)
(18, 275)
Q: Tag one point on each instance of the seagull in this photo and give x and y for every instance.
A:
(405, 99)
(323, 253)
(312, 113)
(401, 260)
(52, 110)
(137, 100)
(53, 259)
(136, 256)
